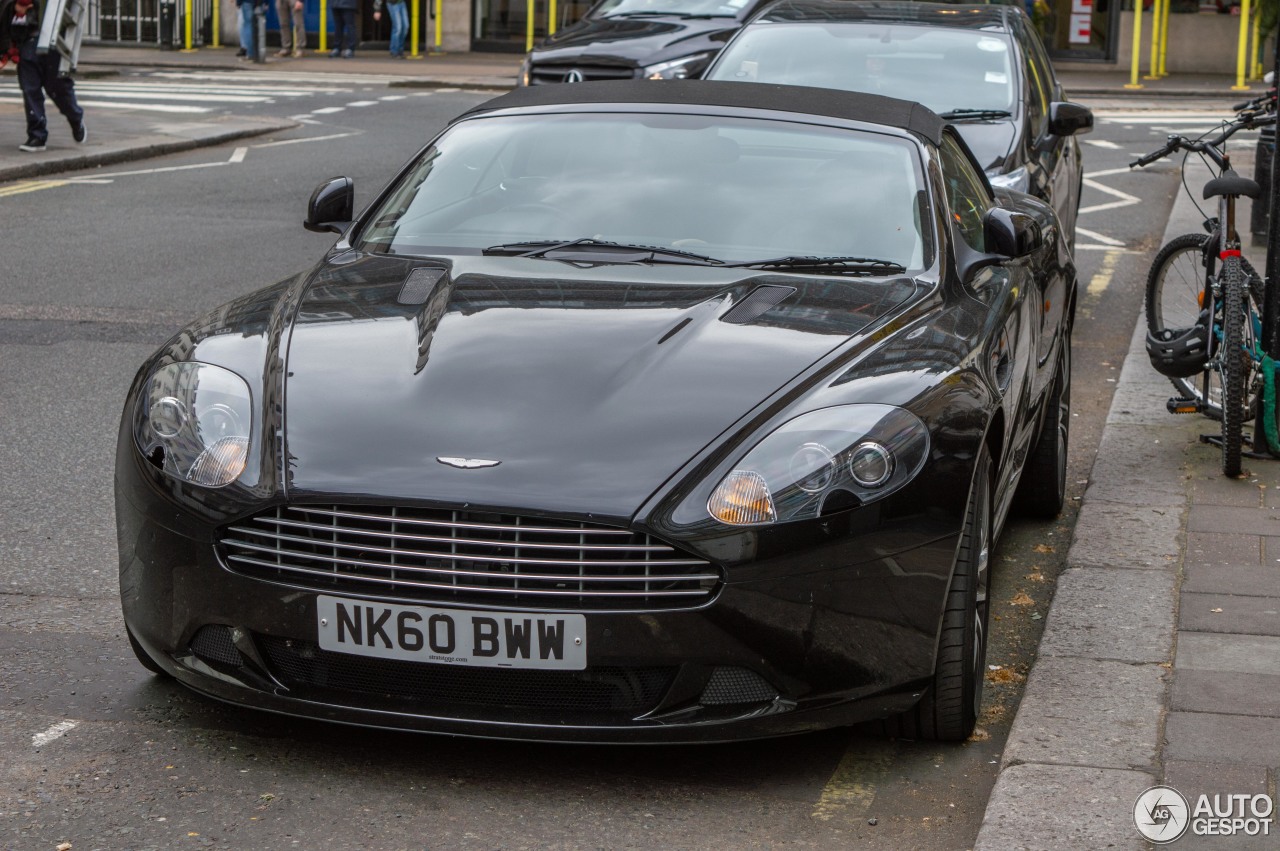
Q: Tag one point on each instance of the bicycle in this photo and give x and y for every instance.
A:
(1204, 329)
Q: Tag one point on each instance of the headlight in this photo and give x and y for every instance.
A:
(194, 421)
(684, 68)
(1018, 180)
(820, 462)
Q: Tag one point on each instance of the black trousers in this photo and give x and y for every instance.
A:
(344, 29)
(39, 74)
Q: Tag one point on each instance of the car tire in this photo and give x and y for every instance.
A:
(948, 712)
(1042, 490)
(144, 658)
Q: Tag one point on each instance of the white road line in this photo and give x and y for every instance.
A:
(393, 97)
(148, 107)
(308, 139)
(98, 177)
(363, 103)
(196, 97)
(237, 156)
(1097, 237)
(57, 731)
(1102, 143)
(1126, 200)
(327, 110)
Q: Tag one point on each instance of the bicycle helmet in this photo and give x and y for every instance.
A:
(1180, 352)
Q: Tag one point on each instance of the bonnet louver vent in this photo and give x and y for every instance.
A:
(756, 304)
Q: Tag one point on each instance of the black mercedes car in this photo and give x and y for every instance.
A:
(617, 416)
(982, 67)
(645, 39)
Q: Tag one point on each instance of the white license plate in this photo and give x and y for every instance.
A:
(453, 636)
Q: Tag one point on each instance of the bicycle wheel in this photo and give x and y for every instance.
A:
(1234, 362)
(1175, 296)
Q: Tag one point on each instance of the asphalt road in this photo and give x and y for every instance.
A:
(101, 269)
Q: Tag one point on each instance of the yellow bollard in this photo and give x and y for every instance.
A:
(1153, 69)
(1164, 40)
(1256, 72)
(551, 17)
(324, 27)
(1137, 46)
(1242, 49)
(216, 25)
(187, 14)
(528, 39)
(439, 46)
(415, 12)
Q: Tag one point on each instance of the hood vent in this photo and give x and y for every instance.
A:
(757, 302)
(420, 284)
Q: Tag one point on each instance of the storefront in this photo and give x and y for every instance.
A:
(502, 25)
(1078, 29)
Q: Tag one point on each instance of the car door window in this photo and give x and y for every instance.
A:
(967, 194)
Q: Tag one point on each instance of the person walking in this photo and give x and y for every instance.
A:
(245, 8)
(344, 27)
(399, 12)
(292, 11)
(37, 74)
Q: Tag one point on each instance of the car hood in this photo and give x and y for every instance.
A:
(590, 387)
(633, 41)
(990, 141)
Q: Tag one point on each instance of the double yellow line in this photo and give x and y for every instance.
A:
(31, 186)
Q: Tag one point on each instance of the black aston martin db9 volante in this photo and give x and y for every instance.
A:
(624, 413)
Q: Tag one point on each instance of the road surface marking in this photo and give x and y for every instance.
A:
(1102, 143)
(327, 110)
(1097, 237)
(58, 730)
(851, 789)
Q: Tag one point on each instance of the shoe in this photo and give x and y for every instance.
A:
(335, 53)
(31, 146)
(397, 56)
(79, 133)
(297, 53)
(347, 54)
(283, 53)
(241, 53)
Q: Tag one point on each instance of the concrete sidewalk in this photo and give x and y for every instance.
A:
(1160, 660)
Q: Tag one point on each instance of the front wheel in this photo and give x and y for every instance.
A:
(1235, 361)
(949, 710)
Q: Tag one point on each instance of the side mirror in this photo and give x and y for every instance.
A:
(1068, 119)
(332, 206)
(1010, 234)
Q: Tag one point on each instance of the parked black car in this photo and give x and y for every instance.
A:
(615, 417)
(646, 39)
(982, 67)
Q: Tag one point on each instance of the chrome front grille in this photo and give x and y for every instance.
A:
(543, 74)
(420, 555)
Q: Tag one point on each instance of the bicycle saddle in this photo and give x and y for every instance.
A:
(1231, 183)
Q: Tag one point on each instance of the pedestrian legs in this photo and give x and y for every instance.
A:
(290, 12)
(399, 13)
(246, 28)
(344, 32)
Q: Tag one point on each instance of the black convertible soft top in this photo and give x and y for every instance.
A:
(833, 103)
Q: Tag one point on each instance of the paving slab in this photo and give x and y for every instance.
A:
(1120, 615)
(1220, 548)
(1242, 580)
(1087, 712)
(1233, 520)
(1054, 807)
(1230, 614)
(1218, 737)
(1226, 692)
(1244, 654)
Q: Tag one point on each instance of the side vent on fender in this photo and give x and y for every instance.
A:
(417, 288)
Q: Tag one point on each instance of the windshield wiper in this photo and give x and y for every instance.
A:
(978, 114)
(838, 265)
(600, 251)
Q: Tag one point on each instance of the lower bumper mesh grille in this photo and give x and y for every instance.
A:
(624, 692)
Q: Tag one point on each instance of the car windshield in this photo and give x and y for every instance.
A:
(713, 8)
(718, 189)
(945, 69)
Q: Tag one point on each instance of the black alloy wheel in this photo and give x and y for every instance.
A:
(949, 710)
(1042, 490)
